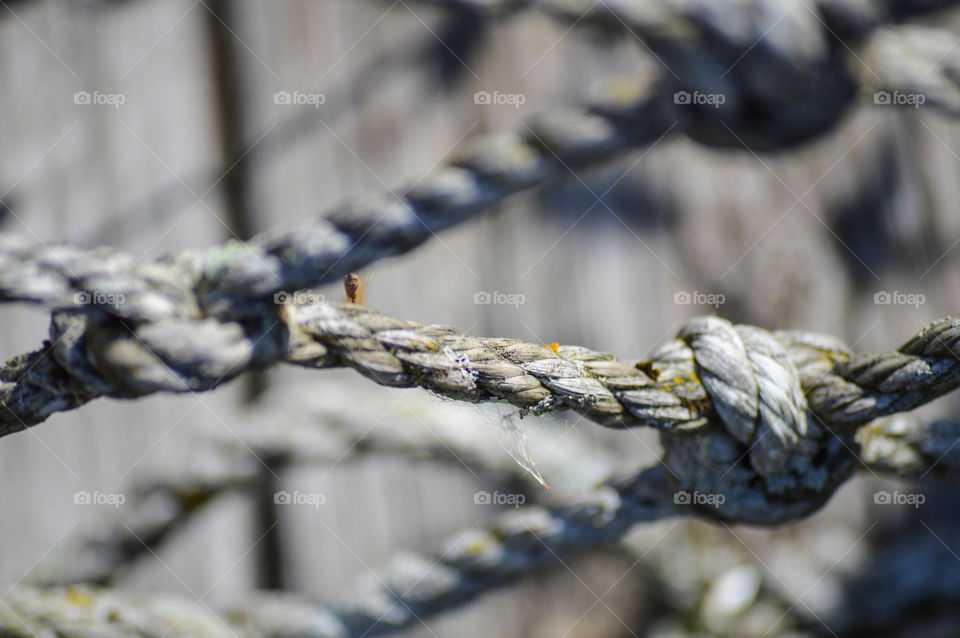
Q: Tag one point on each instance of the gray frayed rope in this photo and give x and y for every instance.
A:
(734, 404)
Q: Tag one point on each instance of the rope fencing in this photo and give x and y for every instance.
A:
(771, 421)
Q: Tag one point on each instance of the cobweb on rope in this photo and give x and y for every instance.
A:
(513, 440)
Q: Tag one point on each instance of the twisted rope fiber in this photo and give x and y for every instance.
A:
(481, 559)
(900, 446)
(756, 405)
(208, 315)
(664, 24)
(711, 359)
(96, 613)
(689, 390)
(718, 393)
(843, 391)
(229, 282)
(766, 418)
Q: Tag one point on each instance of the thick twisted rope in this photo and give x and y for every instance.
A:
(704, 46)
(743, 372)
(761, 386)
(786, 402)
(91, 357)
(480, 559)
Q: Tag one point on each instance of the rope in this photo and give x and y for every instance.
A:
(414, 588)
(764, 420)
(90, 358)
(229, 281)
(761, 54)
(837, 13)
(476, 561)
(332, 426)
(909, 449)
(787, 403)
(206, 317)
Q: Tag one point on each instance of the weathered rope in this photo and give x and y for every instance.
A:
(481, 559)
(208, 316)
(327, 428)
(476, 561)
(837, 13)
(415, 588)
(765, 418)
(910, 449)
(760, 54)
(89, 358)
(789, 89)
(786, 404)
(231, 281)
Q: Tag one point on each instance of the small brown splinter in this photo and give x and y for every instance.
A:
(647, 368)
(353, 286)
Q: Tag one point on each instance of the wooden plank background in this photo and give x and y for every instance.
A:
(878, 213)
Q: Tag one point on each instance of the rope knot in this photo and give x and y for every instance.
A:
(762, 458)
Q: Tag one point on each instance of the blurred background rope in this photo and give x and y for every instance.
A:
(476, 561)
(415, 588)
